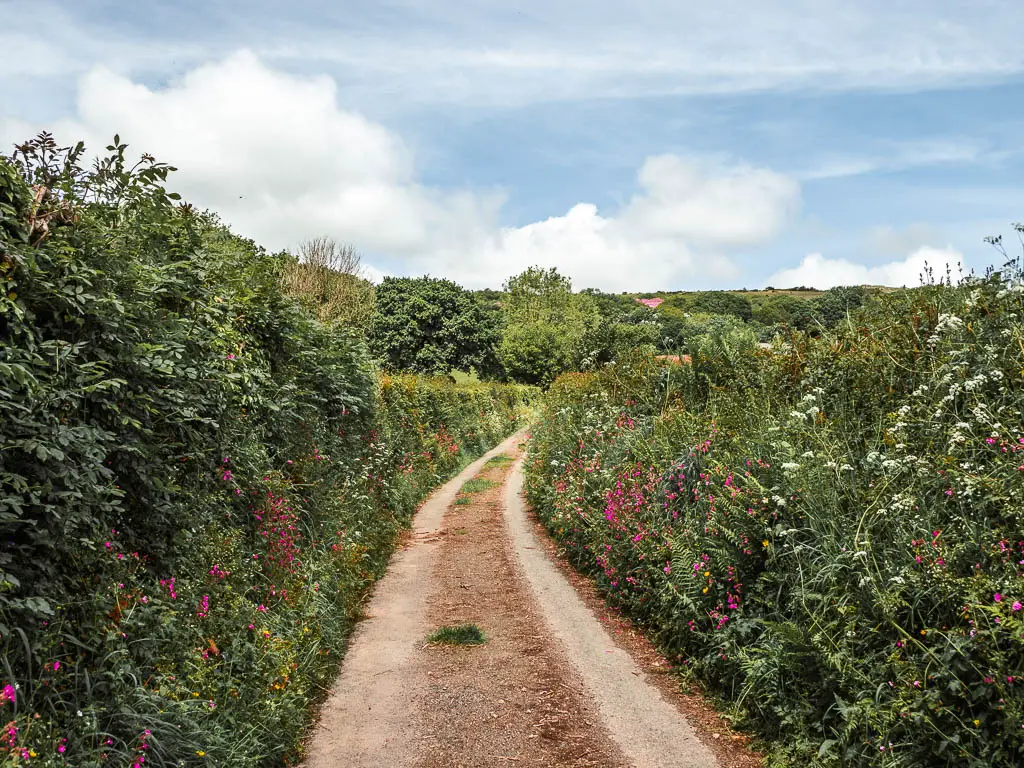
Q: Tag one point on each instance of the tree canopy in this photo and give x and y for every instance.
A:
(432, 325)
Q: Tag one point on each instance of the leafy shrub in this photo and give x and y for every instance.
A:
(432, 325)
(712, 303)
(836, 303)
(829, 534)
(199, 478)
(792, 311)
(329, 279)
(534, 353)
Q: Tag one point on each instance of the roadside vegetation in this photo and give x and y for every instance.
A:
(828, 534)
(202, 470)
(810, 499)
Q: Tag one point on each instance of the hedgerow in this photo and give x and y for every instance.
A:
(829, 534)
(200, 479)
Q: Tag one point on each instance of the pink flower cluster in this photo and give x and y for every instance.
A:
(278, 528)
(169, 585)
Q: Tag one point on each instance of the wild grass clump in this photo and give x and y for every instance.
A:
(477, 485)
(462, 634)
(499, 461)
(199, 477)
(829, 534)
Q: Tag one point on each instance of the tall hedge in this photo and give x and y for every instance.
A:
(199, 479)
(829, 534)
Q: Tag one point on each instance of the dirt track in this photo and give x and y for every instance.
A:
(550, 687)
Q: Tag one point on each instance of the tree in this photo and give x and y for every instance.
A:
(534, 353)
(835, 303)
(431, 325)
(787, 310)
(545, 325)
(714, 303)
(329, 278)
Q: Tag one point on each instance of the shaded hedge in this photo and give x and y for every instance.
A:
(829, 534)
(200, 480)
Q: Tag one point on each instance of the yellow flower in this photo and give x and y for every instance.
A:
(924, 631)
(32, 753)
(194, 693)
(707, 573)
(764, 543)
(200, 753)
(705, 590)
(977, 723)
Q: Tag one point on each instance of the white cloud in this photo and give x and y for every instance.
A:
(818, 272)
(280, 160)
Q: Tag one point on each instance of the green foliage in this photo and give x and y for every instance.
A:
(327, 278)
(694, 332)
(535, 353)
(477, 485)
(431, 325)
(546, 326)
(200, 479)
(462, 634)
(544, 296)
(836, 303)
(789, 311)
(829, 534)
(712, 303)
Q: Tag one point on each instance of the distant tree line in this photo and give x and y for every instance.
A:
(537, 326)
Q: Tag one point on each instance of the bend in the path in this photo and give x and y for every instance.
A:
(366, 720)
(650, 731)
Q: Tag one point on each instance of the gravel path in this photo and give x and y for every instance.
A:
(549, 688)
(367, 721)
(649, 730)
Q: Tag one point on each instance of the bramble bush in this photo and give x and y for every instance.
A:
(830, 533)
(200, 479)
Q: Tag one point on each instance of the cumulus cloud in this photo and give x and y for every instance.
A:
(680, 226)
(818, 272)
(279, 159)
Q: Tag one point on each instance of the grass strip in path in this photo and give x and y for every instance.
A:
(516, 700)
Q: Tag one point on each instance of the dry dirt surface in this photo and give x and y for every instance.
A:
(551, 686)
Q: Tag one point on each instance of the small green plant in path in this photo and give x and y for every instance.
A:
(477, 485)
(462, 634)
(498, 461)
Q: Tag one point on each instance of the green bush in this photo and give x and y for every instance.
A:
(712, 303)
(830, 534)
(200, 479)
(432, 325)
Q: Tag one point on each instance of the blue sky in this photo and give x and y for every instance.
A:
(636, 145)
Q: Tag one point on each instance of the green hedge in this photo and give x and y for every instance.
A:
(199, 479)
(830, 534)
